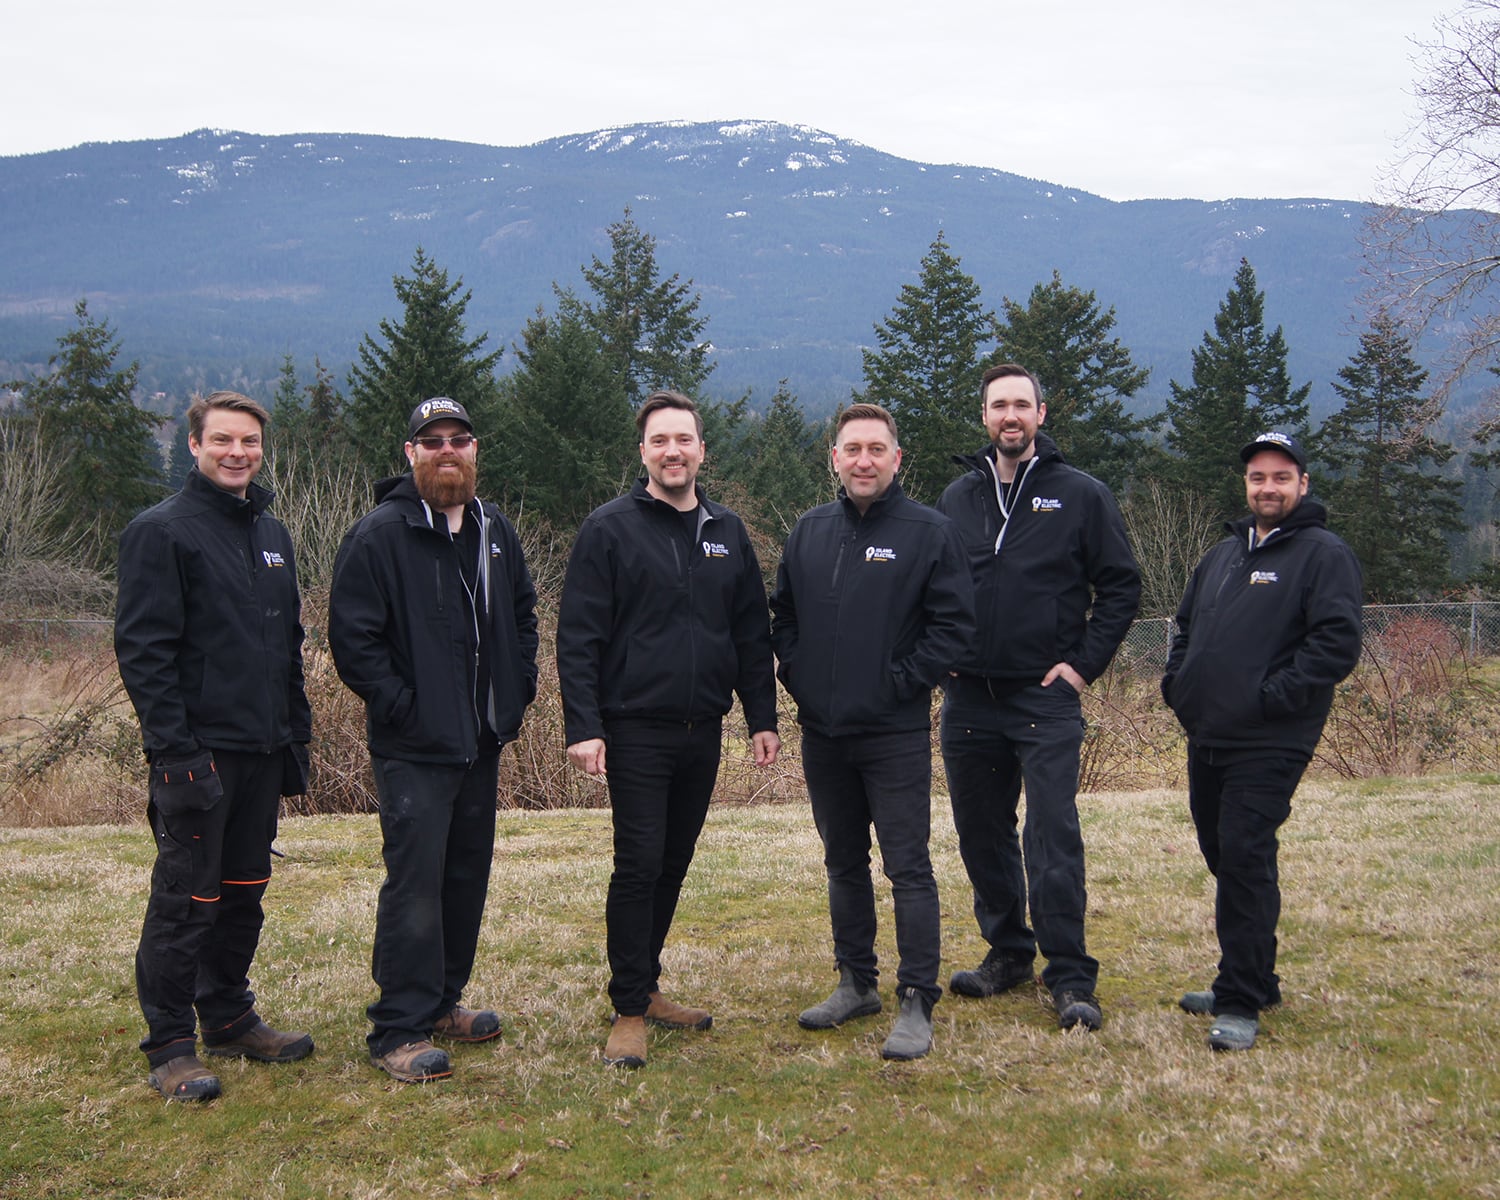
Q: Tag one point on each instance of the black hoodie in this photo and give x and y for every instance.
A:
(404, 628)
(1264, 633)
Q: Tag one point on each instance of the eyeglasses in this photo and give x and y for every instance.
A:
(459, 441)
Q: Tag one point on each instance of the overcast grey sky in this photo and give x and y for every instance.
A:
(1150, 98)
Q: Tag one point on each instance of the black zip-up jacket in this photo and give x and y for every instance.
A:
(208, 624)
(1055, 583)
(404, 628)
(1264, 634)
(654, 626)
(870, 613)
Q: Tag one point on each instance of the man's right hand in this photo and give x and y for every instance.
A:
(588, 756)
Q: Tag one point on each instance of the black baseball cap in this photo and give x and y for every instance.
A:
(439, 408)
(1287, 444)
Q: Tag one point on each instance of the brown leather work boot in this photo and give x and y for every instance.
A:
(264, 1044)
(415, 1062)
(462, 1024)
(184, 1078)
(627, 1043)
(667, 1015)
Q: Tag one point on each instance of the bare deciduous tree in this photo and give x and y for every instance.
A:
(1434, 246)
(1170, 530)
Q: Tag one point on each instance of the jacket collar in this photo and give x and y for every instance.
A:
(1309, 514)
(257, 499)
(639, 494)
(877, 505)
(1046, 451)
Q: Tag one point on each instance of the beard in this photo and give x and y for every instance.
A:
(1016, 449)
(444, 489)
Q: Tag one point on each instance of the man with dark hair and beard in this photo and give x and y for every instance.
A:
(1055, 589)
(432, 624)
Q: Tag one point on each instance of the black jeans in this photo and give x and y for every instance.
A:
(204, 917)
(1239, 800)
(885, 780)
(661, 779)
(438, 826)
(992, 742)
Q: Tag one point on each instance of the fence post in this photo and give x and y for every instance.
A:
(1473, 629)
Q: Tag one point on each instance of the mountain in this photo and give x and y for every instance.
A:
(214, 253)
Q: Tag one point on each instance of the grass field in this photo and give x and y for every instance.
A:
(1379, 1077)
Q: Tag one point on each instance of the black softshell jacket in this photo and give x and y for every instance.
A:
(208, 624)
(1264, 635)
(659, 627)
(870, 613)
(403, 628)
(1061, 584)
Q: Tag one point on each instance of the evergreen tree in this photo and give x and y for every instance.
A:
(647, 328)
(1240, 388)
(781, 465)
(429, 353)
(932, 351)
(1062, 337)
(1386, 497)
(86, 415)
(567, 439)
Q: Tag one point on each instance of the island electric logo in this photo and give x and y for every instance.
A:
(1263, 577)
(1042, 504)
(879, 554)
(273, 559)
(715, 550)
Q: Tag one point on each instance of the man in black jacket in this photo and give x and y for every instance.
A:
(208, 636)
(663, 620)
(432, 624)
(1269, 624)
(1056, 587)
(872, 607)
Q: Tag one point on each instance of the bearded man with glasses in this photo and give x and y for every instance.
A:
(432, 624)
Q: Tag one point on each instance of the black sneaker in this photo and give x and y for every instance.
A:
(999, 972)
(1078, 1008)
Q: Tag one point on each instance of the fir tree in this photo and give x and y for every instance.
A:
(1386, 496)
(1240, 388)
(932, 350)
(647, 328)
(567, 440)
(1062, 337)
(429, 353)
(86, 415)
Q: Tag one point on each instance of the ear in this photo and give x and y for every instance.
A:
(411, 454)
(1041, 413)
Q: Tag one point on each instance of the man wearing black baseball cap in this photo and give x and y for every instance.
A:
(1269, 624)
(432, 624)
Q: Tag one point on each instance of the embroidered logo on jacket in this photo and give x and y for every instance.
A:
(715, 550)
(1263, 577)
(495, 551)
(273, 559)
(1042, 504)
(879, 554)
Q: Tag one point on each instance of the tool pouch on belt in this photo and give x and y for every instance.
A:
(180, 785)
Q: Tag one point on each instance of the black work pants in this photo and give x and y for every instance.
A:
(204, 917)
(992, 743)
(661, 779)
(884, 780)
(438, 826)
(1238, 802)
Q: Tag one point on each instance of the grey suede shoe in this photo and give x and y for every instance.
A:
(1231, 1032)
(849, 1000)
(911, 1037)
(1198, 1003)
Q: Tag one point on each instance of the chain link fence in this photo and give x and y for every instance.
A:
(1472, 625)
